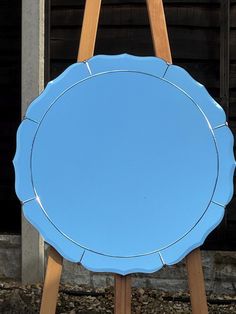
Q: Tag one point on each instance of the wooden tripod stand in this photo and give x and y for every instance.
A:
(123, 283)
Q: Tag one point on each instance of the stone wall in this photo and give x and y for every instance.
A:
(219, 269)
(10, 257)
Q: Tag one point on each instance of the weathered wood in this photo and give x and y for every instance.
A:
(196, 282)
(128, 294)
(78, 2)
(224, 54)
(131, 15)
(231, 213)
(47, 65)
(138, 41)
(51, 283)
(122, 294)
(119, 295)
(232, 112)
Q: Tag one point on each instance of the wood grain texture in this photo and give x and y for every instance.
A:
(159, 30)
(118, 2)
(196, 283)
(225, 54)
(123, 15)
(137, 41)
(51, 283)
(89, 29)
(122, 294)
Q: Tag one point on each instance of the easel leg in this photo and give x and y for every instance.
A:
(122, 294)
(159, 30)
(196, 283)
(51, 282)
(193, 260)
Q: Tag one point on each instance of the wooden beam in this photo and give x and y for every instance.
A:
(196, 282)
(51, 283)
(47, 39)
(159, 29)
(122, 294)
(89, 29)
(224, 53)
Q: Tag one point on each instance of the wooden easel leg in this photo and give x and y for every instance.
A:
(159, 30)
(89, 29)
(196, 282)
(122, 294)
(51, 282)
(193, 260)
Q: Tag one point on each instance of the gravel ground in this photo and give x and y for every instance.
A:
(18, 299)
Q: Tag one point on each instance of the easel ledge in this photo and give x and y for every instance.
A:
(123, 283)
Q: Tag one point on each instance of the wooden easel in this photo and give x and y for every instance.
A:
(123, 283)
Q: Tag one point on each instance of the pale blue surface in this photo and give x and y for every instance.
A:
(130, 170)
